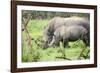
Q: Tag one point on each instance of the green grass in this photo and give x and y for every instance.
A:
(35, 53)
(35, 27)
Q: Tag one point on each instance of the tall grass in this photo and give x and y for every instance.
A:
(36, 53)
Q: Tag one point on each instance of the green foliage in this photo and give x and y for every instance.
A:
(76, 44)
(35, 53)
(50, 14)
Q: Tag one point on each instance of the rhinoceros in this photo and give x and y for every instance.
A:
(72, 33)
(57, 22)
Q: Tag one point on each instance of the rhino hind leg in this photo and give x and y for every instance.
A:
(45, 45)
(86, 41)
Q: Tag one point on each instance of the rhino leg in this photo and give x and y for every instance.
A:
(57, 44)
(86, 40)
(45, 45)
(65, 43)
(54, 42)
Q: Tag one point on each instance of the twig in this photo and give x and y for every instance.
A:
(81, 54)
(63, 58)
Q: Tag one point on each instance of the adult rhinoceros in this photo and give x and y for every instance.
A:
(57, 22)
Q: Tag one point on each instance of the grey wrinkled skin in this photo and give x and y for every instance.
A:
(72, 33)
(57, 22)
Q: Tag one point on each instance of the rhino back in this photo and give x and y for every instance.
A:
(77, 21)
(76, 32)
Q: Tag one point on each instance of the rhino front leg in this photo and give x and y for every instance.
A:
(65, 43)
(54, 42)
(45, 45)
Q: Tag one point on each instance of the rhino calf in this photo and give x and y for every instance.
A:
(72, 33)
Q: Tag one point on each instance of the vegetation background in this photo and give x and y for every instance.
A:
(33, 23)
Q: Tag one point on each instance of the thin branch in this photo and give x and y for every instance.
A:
(81, 54)
(63, 58)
